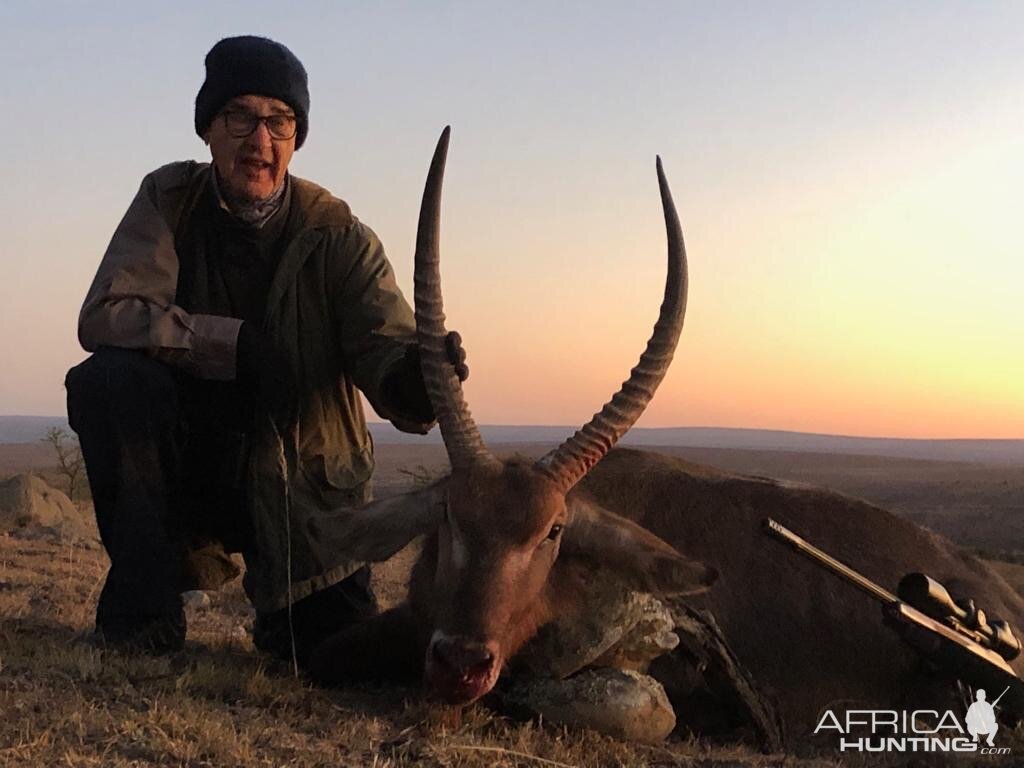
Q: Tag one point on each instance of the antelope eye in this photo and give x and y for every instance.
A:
(555, 531)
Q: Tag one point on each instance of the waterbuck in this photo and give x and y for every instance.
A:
(507, 541)
(502, 533)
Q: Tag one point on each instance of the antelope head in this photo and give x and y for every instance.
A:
(504, 524)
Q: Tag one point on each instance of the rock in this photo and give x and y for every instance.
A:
(623, 704)
(612, 626)
(619, 632)
(208, 567)
(195, 599)
(28, 504)
(650, 637)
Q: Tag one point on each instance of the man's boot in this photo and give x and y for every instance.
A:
(316, 617)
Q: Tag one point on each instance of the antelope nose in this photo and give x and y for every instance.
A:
(461, 655)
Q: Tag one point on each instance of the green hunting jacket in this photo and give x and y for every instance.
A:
(334, 307)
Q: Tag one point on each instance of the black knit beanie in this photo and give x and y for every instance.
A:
(240, 65)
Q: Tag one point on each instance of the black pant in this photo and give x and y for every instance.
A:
(165, 454)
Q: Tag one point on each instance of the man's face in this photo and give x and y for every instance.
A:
(252, 167)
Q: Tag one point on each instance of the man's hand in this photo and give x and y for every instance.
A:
(266, 372)
(456, 354)
(404, 389)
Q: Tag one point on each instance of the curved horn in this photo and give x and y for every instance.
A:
(567, 464)
(461, 437)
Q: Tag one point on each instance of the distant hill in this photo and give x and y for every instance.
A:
(26, 429)
(985, 451)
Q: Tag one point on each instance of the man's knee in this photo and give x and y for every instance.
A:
(117, 376)
(123, 368)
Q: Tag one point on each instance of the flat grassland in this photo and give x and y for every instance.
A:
(64, 701)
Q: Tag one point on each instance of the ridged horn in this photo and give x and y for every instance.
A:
(461, 437)
(567, 464)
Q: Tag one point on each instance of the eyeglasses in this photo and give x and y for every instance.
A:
(240, 124)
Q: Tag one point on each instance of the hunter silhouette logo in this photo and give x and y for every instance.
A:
(921, 730)
(981, 717)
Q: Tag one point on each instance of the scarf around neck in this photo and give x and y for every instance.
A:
(254, 214)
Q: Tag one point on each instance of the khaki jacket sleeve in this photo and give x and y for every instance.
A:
(131, 301)
(376, 324)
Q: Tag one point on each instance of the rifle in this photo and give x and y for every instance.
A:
(955, 635)
(999, 697)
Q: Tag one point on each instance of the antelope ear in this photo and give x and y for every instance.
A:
(645, 561)
(376, 531)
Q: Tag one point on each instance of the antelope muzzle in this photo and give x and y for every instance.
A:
(459, 669)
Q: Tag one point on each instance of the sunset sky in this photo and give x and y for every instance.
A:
(850, 179)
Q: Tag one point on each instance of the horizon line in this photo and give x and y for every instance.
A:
(572, 428)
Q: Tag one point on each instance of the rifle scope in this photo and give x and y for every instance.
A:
(932, 599)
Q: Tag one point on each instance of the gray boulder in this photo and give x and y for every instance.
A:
(651, 635)
(619, 703)
(29, 505)
(612, 626)
(585, 669)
